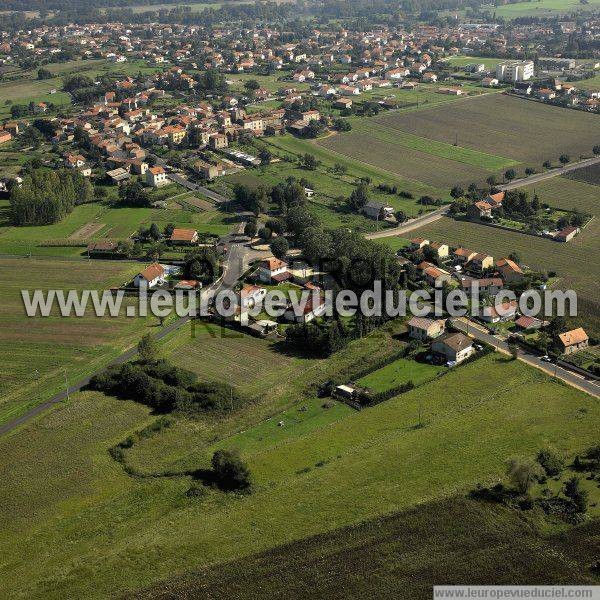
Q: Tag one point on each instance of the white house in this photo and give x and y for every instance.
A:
(151, 276)
(273, 269)
(453, 347)
(156, 176)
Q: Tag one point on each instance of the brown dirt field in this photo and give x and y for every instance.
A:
(199, 203)
(87, 231)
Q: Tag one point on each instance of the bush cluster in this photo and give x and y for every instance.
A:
(166, 388)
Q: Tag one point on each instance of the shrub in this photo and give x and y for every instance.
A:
(552, 462)
(230, 472)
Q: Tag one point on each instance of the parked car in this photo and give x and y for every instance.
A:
(546, 358)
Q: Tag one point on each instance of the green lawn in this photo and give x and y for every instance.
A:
(89, 530)
(589, 84)
(463, 61)
(394, 242)
(400, 371)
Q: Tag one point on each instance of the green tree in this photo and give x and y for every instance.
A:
(250, 229)
(551, 461)
(309, 162)
(564, 159)
(148, 349)
(457, 192)
(510, 174)
(280, 247)
(522, 474)
(359, 196)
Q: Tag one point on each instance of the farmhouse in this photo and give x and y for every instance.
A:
(418, 243)
(421, 328)
(574, 340)
(313, 308)
(567, 234)
(377, 210)
(343, 103)
(209, 170)
(479, 210)
(182, 237)
(250, 295)
(118, 175)
(525, 323)
(102, 248)
(150, 276)
(453, 347)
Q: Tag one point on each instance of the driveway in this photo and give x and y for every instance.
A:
(409, 225)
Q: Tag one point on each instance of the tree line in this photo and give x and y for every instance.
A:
(46, 196)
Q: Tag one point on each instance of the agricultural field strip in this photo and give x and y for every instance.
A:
(498, 124)
(435, 148)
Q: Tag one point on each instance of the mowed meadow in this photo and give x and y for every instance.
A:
(78, 526)
(41, 352)
(467, 140)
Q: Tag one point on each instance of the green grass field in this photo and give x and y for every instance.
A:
(589, 84)
(542, 8)
(77, 526)
(116, 223)
(463, 61)
(568, 193)
(45, 350)
(27, 88)
(402, 556)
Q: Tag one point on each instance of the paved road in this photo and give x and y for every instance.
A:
(517, 183)
(410, 225)
(186, 183)
(476, 331)
(238, 257)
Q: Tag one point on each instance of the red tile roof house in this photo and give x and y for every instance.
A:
(479, 210)
(183, 237)
(573, 340)
(487, 285)
(250, 295)
(151, 275)
(273, 269)
(526, 323)
(433, 275)
(510, 270)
